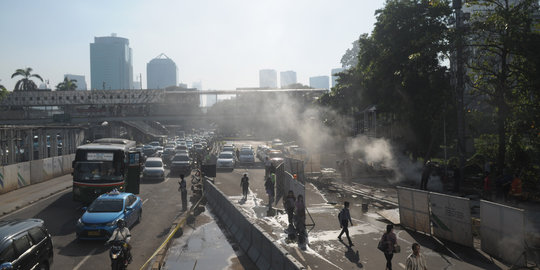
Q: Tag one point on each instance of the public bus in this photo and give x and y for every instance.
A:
(100, 167)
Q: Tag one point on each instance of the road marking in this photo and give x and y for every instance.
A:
(32, 204)
(145, 201)
(402, 265)
(166, 179)
(299, 254)
(85, 258)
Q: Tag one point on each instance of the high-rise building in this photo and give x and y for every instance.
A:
(80, 81)
(267, 78)
(137, 85)
(197, 85)
(319, 82)
(161, 72)
(111, 63)
(287, 78)
(334, 77)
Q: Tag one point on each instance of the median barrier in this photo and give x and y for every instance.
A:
(48, 170)
(8, 178)
(23, 174)
(58, 166)
(67, 163)
(278, 257)
(265, 259)
(36, 171)
(292, 264)
(254, 241)
(245, 242)
(254, 250)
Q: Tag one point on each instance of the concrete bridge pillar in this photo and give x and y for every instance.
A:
(42, 144)
(29, 144)
(54, 143)
(11, 147)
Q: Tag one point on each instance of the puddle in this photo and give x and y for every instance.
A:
(260, 211)
(205, 248)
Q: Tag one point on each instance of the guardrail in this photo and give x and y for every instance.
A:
(256, 243)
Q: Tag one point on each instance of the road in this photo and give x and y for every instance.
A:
(161, 204)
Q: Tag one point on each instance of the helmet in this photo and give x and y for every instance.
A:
(121, 223)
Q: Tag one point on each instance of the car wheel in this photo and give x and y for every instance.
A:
(139, 217)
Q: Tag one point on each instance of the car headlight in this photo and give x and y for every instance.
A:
(80, 223)
(112, 223)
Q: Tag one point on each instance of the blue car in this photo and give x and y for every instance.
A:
(99, 220)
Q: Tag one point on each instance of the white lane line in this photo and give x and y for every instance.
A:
(34, 203)
(85, 258)
(144, 201)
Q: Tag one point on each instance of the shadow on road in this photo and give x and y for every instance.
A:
(61, 215)
(453, 250)
(353, 256)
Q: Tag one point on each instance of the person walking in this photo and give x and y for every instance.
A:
(344, 218)
(300, 219)
(389, 241)
(289, 204)
(426, 173)
(267, 164)
(269, 186)
(244, 183)
(183, 192)
(416, 261)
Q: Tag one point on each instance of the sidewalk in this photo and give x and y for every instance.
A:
(19, 198)
(324, 250)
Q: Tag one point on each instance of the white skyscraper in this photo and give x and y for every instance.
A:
(161, 72)
(287, 78)
(80, 81)
(267, 78)
(334, 77)
(319, 82)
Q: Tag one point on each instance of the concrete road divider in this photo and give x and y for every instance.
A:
(254, 241)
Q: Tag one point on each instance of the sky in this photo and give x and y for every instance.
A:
(221, 43)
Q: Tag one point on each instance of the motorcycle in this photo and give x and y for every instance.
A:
(119, 259)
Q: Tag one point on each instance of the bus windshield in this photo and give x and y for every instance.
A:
(96, 171)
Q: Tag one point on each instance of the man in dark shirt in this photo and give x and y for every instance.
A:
(344, 219)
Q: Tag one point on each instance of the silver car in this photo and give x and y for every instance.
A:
(153, 169)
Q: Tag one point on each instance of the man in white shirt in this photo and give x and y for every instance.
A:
(121, 233)
(416, 261)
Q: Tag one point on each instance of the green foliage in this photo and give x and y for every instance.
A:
(503, 63)
(3, 92)
(25, 83)
(67, 85)
(400, 70)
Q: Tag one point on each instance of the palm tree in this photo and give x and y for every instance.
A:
(67, 85)
(25, 83)
(3, 92)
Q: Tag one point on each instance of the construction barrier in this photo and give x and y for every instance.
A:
(451, 218)
(22, 174)
(256, 243)
(414, 209)
(502, 230)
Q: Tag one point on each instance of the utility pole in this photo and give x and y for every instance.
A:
(459, 90)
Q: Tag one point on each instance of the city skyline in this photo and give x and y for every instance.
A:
(211, 43)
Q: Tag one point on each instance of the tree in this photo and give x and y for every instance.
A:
(67, 85)
(25, 83)
(501, 63)
(400, 71)
(350, 58)
(3, 92)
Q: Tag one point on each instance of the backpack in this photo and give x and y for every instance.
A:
(382, 244)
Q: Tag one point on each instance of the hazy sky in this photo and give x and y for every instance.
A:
(222, 43)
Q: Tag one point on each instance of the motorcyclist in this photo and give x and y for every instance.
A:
(121, 233)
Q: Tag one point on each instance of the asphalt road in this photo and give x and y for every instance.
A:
(161, 204)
